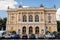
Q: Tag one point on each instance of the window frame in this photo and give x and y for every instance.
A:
(37, 30)
(24, 18)
(30, 18)
(24, 30)
(36, 18)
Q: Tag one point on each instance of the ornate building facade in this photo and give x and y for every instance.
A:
(31, 20)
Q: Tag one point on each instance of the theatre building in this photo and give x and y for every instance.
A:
(31, 20)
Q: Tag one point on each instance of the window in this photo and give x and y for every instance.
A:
(19, 17)
(42, 31)
(41, 16)
(30, 30)
(24, 18)
(36, 18)
(49, 18)
(12, 19)
(24, 30)
(12, 14)
(37, 30)
(30, 18)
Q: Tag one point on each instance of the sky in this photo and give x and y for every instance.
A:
(31, 3)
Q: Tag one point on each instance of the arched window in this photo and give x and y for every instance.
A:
(37, 30)
(30, 30)
(24, 18)
(36, 18)
(30, 18)
(24, 30)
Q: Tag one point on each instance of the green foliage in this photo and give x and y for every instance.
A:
(13, 32)
(3, 23)
(47, 32)
(58, 26)
(54, 32)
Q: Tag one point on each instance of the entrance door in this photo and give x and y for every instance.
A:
(30, 30)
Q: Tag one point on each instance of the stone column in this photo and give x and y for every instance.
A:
(21, 17)
(33, 17)
(20, 30)
(20, 26)
(33, 30)
(27, 29)
(33, 24)
(27, 17)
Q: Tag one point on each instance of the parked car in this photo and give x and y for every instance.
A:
(32, 36)
(24, 36)
(50, 36)
(15, 36)
(57, 36)
(1, 34)
(41, 36)
(7, 36)
(10, 35)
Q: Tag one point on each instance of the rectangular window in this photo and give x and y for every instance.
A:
(41, 16)
(24, 20)
(19, 17)
(49, 18)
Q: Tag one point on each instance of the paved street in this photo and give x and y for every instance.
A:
(29, 39)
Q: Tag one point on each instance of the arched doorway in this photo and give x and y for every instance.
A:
(30, 30)
(12, 29)
(24, 30)
(37, 30)
(50, 29)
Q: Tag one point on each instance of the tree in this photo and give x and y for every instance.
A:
(47, 32)
(13, 32)
(4, 23)
(1, 22)
(54, 32)
(58, 26)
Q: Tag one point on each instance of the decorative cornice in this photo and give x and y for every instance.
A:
(31, 9)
